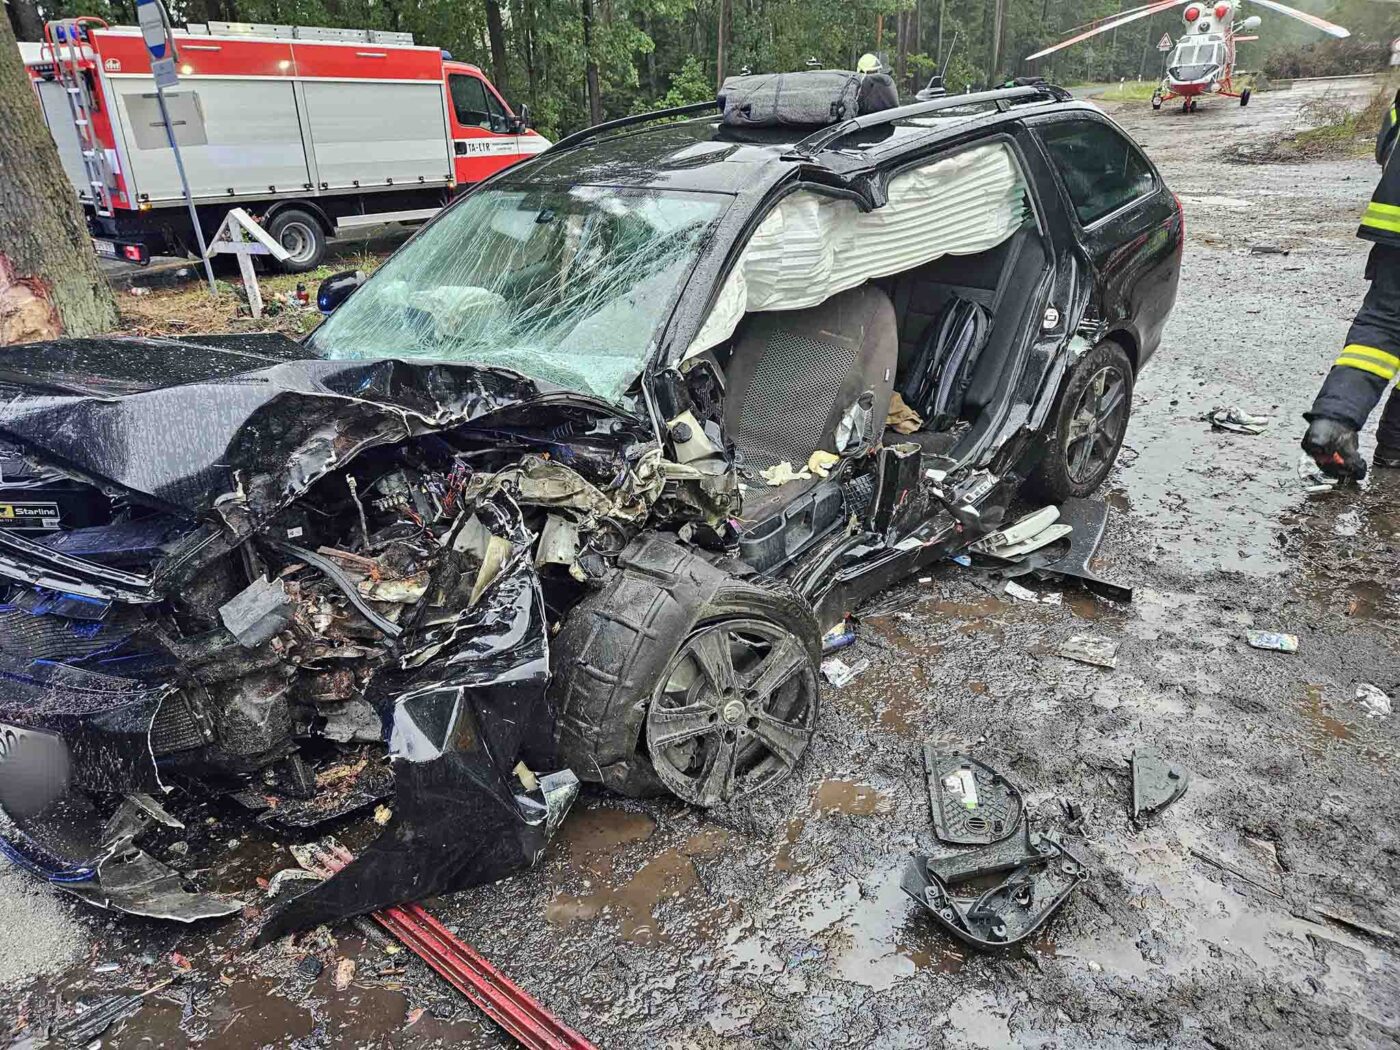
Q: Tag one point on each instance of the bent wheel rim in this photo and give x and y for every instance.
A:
(1097, 426)
(733, 713)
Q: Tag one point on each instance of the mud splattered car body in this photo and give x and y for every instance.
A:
(506, 511)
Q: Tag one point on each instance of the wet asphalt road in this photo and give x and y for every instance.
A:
(1225, 924)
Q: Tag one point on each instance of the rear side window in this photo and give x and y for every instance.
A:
(1101, 169)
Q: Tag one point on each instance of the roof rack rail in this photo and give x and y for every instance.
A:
(1003, 97)
(570, 141)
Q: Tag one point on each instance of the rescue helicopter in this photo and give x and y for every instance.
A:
(1203, 61)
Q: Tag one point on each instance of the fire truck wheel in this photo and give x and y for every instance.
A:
(1156, 101)
(301, 234)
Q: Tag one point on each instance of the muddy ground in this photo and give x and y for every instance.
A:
(1226, 924)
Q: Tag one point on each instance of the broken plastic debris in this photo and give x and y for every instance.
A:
(1376, 703)
(839, 673)
(1025, 594)
(1273, 641)
(87, 1026)
(1034, 531)
(1098, 652)
(1008, 912)
(965, 560)
(1311, 477)
(782, 473)
(970, 802)
(257, 612)
(1235, 419)
(1156, 784)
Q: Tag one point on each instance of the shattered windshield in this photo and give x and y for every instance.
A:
(564, 285)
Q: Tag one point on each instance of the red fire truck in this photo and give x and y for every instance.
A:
(312, 130)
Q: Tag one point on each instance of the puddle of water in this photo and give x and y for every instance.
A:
(251, 1013)
(602, 829)
(972, 609)
(1084, 605)
(849, 797)
(975, 1018)
(867, 933)
(633, 903)
(783, 860)
(1325, 730)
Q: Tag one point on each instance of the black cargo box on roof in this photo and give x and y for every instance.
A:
(811, 98)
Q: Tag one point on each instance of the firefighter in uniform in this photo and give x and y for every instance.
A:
(1371, 357)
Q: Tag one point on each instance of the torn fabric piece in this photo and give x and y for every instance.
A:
(812, 246)
(901, 418)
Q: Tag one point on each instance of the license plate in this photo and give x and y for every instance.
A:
(106, 249)
(16, 742)
(34, 770)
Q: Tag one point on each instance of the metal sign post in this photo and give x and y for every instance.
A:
(160, 42)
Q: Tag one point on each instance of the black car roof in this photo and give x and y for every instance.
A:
(702, 154)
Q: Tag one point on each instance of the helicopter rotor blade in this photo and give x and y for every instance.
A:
(1133, 16)
(1127, 11)
(1330, 28)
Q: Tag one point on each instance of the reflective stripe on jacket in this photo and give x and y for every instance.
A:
(1381, 220)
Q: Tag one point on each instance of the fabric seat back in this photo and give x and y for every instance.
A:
(793, 375)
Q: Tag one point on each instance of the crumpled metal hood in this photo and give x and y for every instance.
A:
(184, 422)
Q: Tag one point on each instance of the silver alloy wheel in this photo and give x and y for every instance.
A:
(733, 713)
(299, 240)
(1096, 429)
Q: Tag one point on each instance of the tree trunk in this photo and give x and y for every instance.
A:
(496, 31)
(998, 18)
(723, 42)
(49, 281)
(595, 103)
(25, 20)
(531, 70)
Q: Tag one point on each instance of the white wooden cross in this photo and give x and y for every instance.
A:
(241, 236)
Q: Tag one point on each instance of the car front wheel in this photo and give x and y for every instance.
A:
(1090, 424)
(681, 676)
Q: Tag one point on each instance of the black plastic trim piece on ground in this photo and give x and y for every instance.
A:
(971, 803)
(1156, 784)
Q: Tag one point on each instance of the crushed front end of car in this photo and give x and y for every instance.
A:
(306, 586)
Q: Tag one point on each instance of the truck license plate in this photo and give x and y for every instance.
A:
(104, 248)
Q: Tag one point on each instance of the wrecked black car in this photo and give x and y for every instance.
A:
(569, 490)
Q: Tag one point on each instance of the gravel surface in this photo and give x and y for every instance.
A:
(1259, 911)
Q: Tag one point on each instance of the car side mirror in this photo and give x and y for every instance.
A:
(521, 122)
(336, 288)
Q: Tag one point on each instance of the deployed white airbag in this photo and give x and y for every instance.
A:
(812, 246)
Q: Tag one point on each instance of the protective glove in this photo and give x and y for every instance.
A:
(1332, 445)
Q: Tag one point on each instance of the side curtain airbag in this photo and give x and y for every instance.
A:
(812, 246)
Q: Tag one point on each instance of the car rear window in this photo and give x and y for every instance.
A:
(1102, 170)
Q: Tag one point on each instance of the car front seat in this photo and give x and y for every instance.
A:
(794, 373)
